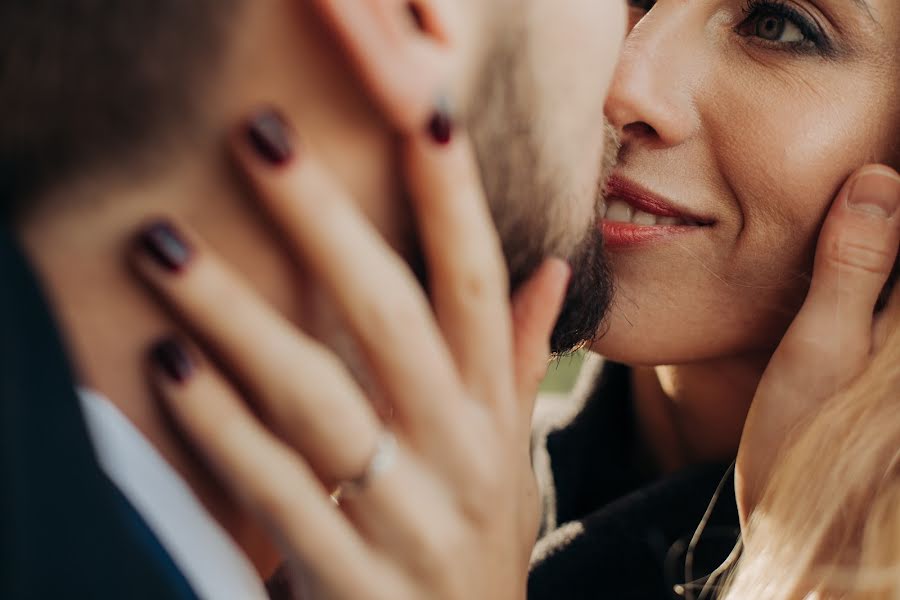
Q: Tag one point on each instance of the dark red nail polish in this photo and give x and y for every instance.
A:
(440, 127)
(162, 242)
(269, 134)
(173, 360)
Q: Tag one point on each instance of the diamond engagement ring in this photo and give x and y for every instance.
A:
(383, 458)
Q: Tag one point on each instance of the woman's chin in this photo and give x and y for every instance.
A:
(670, 341)
(632, 353)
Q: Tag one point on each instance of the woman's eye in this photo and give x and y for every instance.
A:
(779, 25)
(776, 28)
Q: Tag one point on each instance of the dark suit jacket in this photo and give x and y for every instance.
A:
(65, 530)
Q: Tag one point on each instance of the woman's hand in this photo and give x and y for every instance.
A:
(442, 502)
(837, 332)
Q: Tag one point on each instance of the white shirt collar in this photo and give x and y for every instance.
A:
(212, 563)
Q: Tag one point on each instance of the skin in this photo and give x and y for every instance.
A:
(427, 526)
(83, 288)
(347, 74)
(426, 561)
(445, 519)
(775, 133)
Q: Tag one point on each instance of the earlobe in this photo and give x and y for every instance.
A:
(401, 50)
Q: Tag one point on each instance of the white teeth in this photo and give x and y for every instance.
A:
(619, 212)
(642, 218)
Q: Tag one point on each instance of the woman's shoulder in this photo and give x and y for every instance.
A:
(636, 547)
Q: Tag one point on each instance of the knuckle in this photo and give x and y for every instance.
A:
(436, 547)
(484, 476)
(484, 486)
(393, 312)
(475, 283)
(853, 256)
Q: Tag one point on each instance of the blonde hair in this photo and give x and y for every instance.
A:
(828, 523)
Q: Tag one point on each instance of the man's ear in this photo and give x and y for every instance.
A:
(403, 50)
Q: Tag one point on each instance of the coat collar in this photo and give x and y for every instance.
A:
(59, 514)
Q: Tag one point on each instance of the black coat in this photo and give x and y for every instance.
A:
(612, 528)
(65, 529)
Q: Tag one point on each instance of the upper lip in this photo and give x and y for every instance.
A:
(645, 200)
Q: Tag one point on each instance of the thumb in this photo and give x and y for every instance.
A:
(535, 308)
(831, 339)
(856, 253)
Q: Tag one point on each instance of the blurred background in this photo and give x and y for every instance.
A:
(562, 373)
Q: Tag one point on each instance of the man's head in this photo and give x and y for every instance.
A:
(540, 141)
(90, 88)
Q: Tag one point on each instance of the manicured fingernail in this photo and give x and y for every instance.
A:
(440, 126)
(162, 242)
(876, 192)
(270, 135)
(172, 359)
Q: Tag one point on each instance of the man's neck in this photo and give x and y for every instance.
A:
(78, 242)
(695, 413)
(108, 320)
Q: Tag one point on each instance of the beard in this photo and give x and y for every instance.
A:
(529, 201)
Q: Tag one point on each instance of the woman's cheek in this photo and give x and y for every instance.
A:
(788, 158)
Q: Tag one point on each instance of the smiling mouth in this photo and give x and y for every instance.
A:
(616, 210)
(631, 215)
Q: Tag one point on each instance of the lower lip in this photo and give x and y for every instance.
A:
(628, 235)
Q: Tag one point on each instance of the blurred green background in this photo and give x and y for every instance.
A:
(562, 373)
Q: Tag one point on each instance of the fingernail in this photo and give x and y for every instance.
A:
(162, 242)
(172, 359)
(440, 126)
(876, 192)
(269, 134)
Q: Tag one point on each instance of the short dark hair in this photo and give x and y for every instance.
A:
(86, 82)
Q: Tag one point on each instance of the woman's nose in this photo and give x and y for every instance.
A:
(652, 94)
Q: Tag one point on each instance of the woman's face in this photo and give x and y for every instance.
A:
(741, 120)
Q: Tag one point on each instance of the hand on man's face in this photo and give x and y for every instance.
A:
(529, 79)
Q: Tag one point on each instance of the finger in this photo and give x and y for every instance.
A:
(271, 480)
(536, 307)
(831, 338)
(393, 516)
(373, 288)
(856, 253)
(409, 515)
(299, 387)
(468, 280)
